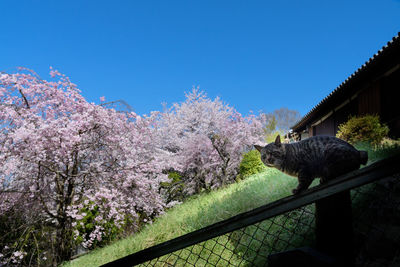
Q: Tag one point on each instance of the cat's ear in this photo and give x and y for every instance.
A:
(258, 147)
(278, 140)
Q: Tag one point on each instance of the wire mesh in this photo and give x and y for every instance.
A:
(248, 246)
(376, 222)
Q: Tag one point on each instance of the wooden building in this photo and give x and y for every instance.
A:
(372, 89)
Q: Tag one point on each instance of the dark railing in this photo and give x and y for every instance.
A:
(272, 234)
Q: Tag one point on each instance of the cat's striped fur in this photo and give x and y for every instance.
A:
(324, 157)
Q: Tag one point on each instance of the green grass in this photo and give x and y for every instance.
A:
(386, 149)
(196, 213)
(206, 209)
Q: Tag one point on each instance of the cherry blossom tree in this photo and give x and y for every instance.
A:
(205, 139)
(59, 151)
(84, 172)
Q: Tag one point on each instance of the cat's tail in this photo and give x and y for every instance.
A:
(363, 157)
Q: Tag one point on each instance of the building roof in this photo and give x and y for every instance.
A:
(388, 56)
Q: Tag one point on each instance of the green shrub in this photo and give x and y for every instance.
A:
(363, 129)
(251, 164)
(91, 219)
(174, 189)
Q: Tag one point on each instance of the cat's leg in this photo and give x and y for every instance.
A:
(304, 182)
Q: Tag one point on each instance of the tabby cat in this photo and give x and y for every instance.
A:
(322, 157)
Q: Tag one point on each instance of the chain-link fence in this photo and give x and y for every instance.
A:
(376, 226)
(248, 246)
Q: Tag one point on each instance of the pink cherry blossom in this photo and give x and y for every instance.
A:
(63, 150)
(63, 157)
(204, 139)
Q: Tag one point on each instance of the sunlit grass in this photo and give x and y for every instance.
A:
(387, 148)
(196, 213)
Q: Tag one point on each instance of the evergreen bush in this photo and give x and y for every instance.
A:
(251, 164)
(363, 129)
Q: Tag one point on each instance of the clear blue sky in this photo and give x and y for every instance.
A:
(255, 55)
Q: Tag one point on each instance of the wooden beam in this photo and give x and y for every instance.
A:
(334, 228)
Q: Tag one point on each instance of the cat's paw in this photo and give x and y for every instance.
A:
(295, 191)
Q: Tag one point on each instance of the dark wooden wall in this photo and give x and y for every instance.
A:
(327, 127)
(381, 97)
(369, 100)
(330, 125)
(390, 103)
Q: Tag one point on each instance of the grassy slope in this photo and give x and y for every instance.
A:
(196, 213)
